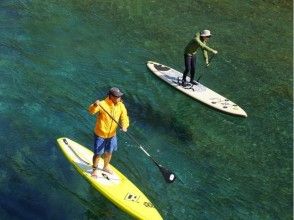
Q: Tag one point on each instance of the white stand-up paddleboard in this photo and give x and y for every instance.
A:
(115, 187)
(198, 92)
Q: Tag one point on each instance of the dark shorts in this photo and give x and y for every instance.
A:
(102, 145)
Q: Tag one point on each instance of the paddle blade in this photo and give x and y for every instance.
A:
(169, 176)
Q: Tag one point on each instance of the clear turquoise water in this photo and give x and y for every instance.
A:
(57, 57)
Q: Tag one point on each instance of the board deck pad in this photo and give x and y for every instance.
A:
(196, 91)
(115, 187)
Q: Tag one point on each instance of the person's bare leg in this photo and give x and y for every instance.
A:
(95, 164)
(107, 158)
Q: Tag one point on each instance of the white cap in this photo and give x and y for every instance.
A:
(205, 33)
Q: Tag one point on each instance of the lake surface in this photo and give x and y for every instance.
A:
(57, 57)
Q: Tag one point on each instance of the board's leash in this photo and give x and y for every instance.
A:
(75, 153)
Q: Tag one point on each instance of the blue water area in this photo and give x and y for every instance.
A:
(58, 57)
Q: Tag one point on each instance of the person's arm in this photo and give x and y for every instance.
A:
(205, 55)
(94, 108)
(124, 119)
(203, 45)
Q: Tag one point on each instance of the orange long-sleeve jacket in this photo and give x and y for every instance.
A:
(105, 126)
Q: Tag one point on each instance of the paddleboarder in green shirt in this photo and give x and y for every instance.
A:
(200, 40)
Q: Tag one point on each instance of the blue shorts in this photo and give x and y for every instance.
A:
(102, 145)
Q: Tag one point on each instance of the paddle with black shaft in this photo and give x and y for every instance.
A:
(213, 55)
(167, 174)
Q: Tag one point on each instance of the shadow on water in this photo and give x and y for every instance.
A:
(149, 117)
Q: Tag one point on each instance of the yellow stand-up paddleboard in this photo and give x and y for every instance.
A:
(115, 187)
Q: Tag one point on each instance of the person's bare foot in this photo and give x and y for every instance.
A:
(94, 173)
